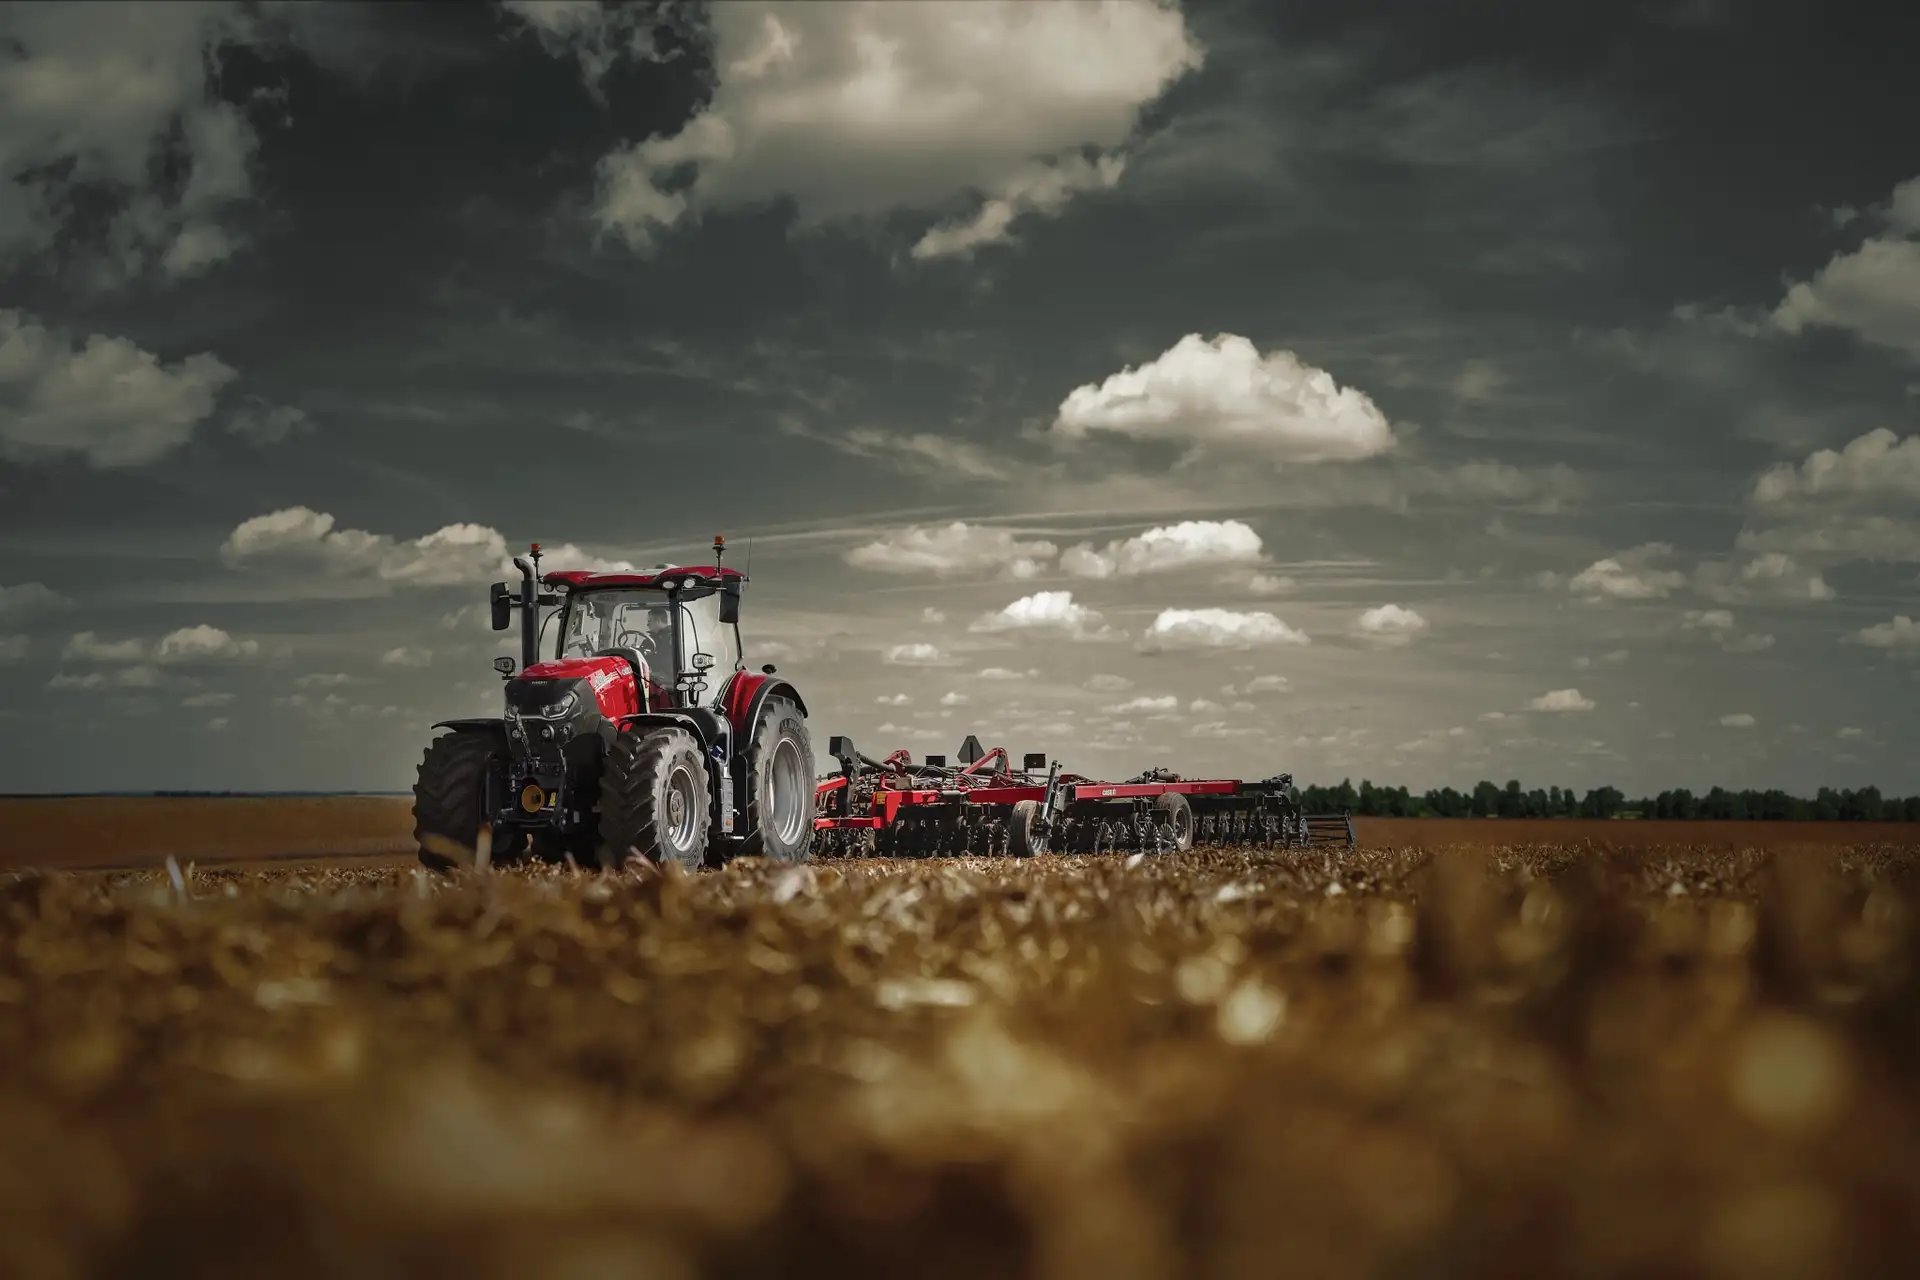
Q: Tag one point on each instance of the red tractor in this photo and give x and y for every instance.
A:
(643, 736)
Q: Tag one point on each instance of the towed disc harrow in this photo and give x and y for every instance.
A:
(982, 805)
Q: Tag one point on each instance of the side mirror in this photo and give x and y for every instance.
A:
(730, 603)
(503, 665)
(502, 603)
(1034, 760)
(702, 661)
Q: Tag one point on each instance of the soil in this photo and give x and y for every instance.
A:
(1532, 1060)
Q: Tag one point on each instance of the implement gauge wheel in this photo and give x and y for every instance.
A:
(1170, 809)
(1024, 838)
(653, 800)
(780, 786)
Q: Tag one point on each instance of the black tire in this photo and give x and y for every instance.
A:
(779, 764)
(1024, 839)
(1171, 809)
(449, 799)
(654, 800)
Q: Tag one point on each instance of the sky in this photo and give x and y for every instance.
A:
(1405, 391)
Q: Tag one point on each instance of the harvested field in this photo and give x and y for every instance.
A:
(96, 832)
(120, 831)
(1525, 1061)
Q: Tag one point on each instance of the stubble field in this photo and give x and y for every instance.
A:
(1528, 1060)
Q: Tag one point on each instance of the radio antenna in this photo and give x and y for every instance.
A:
(747, 572)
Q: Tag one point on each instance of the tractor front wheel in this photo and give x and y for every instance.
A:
(449, 800)
(1172, 812)
(780, 785)
(653, 800)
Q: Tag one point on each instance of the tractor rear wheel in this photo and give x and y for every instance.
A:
(779, 763)
(1171, 810)
(449, 800)
(653, 800)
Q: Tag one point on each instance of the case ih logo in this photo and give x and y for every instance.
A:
(601, 679)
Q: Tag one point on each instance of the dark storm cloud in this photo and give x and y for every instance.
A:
(439, 291)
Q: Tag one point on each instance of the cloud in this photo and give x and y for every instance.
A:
(1187, 545)
(1161, 704)
(1706, 620)
(1859, 502)
(1054, 611)
(453, 554)
(1256, 686)
(109, 402)
(952, 549)
(1224, 394)
(1266, 584)
(919, 654)
(1872, 292)
(118, 113)
(411, 659)
(1108, 684)
(597, 34)
(140, 677)
(1005, 673)
(203, 644)
(1611, 658)
(1390, 625)
(30, 600)
(1851, 733)
(1628, 576)
(85, 646)
(954, 699)
(1177, 629)
(215, 698)
(1040, 188)
(263, 422)
(1749, 643)
(13, 648)
(1739, 720)
(919, 453)
(1560, 700)
(894, 700)
(1899, 635)
(1876, 464)
(188, 644)
(855, 110)
(1772, 575)
(932, 616)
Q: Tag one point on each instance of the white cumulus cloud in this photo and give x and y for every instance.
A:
(1561, 700)
(953, 549)
(1899, 634)
(854, 110)
(1176, 629)
(919, 654)
(1630, 575)
(1187, 545)
(1223, 392)
(1054, 611)
(106, 400)
(452, 554)
(1739, 720)
(1390, 625)
(404, 657)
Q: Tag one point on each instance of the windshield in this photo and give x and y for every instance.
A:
(641, 618)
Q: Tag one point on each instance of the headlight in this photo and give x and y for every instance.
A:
(559, 710)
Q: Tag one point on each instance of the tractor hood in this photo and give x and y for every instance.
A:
(544, 688)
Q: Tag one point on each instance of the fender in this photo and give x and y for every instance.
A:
(708, 729)
(746, 699)
(480, 725)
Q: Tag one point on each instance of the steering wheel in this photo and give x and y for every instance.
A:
(641, 641)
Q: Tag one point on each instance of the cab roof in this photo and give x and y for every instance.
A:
(691, 575)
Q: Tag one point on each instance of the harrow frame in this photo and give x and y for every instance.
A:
(893, 807)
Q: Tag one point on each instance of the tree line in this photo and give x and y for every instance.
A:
(1488, 800)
